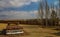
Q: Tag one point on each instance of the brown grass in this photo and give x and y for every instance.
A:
(32, 31)
(2, 26)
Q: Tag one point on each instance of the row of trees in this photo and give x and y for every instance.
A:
(51, 13)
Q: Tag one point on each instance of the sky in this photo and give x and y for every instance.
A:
(21, 9)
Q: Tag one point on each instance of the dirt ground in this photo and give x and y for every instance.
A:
(33, 31)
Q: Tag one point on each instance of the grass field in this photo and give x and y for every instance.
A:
(2, 26)
(33, 31)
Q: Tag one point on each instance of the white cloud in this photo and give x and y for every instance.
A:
(7, 3)
(56, 2)
(19, 2)
(18, 15)
(35, 0)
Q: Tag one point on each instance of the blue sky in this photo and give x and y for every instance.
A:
(21, 9)
(30, 7)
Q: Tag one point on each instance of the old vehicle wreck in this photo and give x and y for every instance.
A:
(12, 29)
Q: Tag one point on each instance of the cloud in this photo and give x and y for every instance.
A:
(18, 15)
(35, 0)
(16, 3)
(56, 2)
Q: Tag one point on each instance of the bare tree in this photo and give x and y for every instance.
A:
(40, 12)
(47, 11)
(41, 8)
(59, 12)
(52, 8)
(53, 15)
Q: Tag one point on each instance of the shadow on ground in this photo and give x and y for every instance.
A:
(57, 33)
(48, 36)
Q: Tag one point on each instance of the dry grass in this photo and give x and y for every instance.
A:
(2, 26)
(33, 31)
